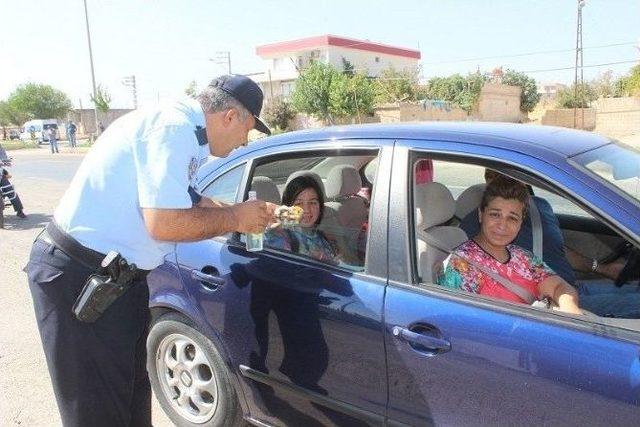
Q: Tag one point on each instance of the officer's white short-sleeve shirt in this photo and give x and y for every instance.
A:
(145, 159)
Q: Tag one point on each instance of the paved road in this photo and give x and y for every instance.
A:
(26, 396)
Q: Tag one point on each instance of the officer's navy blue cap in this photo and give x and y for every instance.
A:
(247, 92)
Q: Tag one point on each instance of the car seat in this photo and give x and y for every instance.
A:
(265, 189)
(435, 206)
(351, 211)
(469, 200)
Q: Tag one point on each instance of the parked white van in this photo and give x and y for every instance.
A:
(35, 129)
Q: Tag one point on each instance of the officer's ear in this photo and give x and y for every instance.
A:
(230, 115)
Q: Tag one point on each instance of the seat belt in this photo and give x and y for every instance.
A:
(518, 290)
(512, 287)
(536, 228)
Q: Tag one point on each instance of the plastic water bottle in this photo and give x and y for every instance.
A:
(254, 240)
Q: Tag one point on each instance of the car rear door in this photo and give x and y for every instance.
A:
(305, 339)
(459, 359)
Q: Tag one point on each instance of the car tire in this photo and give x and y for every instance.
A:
(188, 375)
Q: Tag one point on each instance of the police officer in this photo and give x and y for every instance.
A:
(133, 194)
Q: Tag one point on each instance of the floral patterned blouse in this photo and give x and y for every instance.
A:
(523, 268)
(310, 243)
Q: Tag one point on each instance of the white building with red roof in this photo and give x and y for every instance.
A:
(283, 60)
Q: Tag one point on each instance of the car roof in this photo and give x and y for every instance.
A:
(562, 141)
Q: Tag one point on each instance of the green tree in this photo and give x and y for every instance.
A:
(446, 88)
(604, 85)
(312, 90)
(192, 89)
(351, 96)
(529, 96)
(102, 99)
(38, 101)
(278, 113)
(629, 85)
(8, 116)
(395, 86)
(328, 94)
(347, 67)
(461, 91)
(569, 98)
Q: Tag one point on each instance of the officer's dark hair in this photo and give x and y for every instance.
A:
(215, 100)
(297, 186)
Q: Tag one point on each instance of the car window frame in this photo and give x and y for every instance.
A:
(222, 173)
(346, 148)
(405, 156)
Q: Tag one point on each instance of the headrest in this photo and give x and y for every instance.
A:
(434, 204)
(310, 174)
(469, 200)
(265, 189)
(343, 180)
(371, 169)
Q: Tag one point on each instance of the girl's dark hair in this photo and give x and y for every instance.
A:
(297, 186)
(507, 188)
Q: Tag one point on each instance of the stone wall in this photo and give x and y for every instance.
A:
(304, 121)
(499, 103)
(419, 112)
(607, 116)
(85, 119)
(618, 116)
(564, 117)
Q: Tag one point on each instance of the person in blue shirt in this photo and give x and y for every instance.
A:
(133, 194)
(71, 134)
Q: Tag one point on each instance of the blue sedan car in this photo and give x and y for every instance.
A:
(277, 337)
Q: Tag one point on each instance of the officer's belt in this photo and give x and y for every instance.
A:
(76, 251)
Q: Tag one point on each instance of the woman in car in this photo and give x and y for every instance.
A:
(482, 264)
(304, 239)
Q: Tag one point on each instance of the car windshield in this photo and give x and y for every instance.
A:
(618, 164)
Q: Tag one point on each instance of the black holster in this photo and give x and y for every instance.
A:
(112, 277)
(96, 296)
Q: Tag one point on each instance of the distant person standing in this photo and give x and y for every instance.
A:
(100, 127)
(71, 134)
(53, 139)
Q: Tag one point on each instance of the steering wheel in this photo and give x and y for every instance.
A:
(631, 269)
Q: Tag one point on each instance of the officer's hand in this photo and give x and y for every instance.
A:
(253, 216)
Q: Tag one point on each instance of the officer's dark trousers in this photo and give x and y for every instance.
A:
(97, 369)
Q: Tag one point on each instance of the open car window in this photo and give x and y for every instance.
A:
(446, 220)
(334, 199)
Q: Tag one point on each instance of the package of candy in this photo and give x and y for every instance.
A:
(288, 215)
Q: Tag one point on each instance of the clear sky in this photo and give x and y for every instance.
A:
(168, 43)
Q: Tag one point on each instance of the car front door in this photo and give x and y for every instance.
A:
(459, 359)
(305, 338)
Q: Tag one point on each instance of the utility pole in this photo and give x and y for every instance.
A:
(223, 57)
(130, 81)
(580, 63)
(81, 122)
(93, 77)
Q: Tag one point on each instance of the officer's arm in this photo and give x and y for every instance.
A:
(206, 202)
(198, 223)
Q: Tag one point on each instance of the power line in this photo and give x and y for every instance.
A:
(541, 52)
(585, 66)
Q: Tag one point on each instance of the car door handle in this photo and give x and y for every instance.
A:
(433, 344)
(208, 279)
